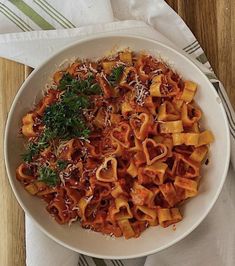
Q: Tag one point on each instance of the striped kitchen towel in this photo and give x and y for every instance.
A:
(28, 26)
(30, 15)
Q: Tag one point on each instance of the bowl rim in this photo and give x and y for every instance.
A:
(41, 66)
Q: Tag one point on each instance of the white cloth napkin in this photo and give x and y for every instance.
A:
(213, 242)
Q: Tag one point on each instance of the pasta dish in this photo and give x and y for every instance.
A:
(116, 144)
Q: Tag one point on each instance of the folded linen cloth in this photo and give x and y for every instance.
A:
(151, 18)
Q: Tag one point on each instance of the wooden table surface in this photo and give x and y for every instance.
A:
(212, 22)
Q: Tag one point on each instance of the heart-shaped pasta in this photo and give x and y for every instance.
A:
(190, 114)
(140, 125)
(121, 134)
(187, 168)
(107, 172)
(163, 87)
(143, 213)
(153, 151)
(167, 112)
(128, 75)
(121, 210)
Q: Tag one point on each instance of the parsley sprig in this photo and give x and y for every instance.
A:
(35, 147)
(115, 75)
(88, 86)
(61, 165)
(64, 119)
(48, 176)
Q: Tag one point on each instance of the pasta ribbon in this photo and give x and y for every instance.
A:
(139, 158)
(186, 167)
(135, 145)
(185, 138)
(28, 125)
(167, 217)
(115, 119)
(118, 190)
(153, 151)
(108, 66)
(69, 149)
(186, 184)
(121, 210)
(141, 195)
(35, 187)
(126, 228)
(105, 86)
(171, 127)
(153, 173)
(143, 213)
(126, 57)
(72, 70)
(126, 109)
(189, 91)
(132, 169)
(162, 88)
(140, 125)
(121, 134)
(50, 98)
(59, 210)
(99, 120)
(82, 205)
(58, 76)
(169, 193)
(24, 173)
(205, 137)
(107, 172)
(129, 74)
(199, 153)
(167, 112)
(190, 114)
(151, 105)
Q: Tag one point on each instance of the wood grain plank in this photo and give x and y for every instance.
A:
(213, 24)
(12, 232)
(226, 45)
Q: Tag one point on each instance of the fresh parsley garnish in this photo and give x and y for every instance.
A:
(115, 75)
(48, 176)
(87, 86)
(35, 147)
(61, 165)
(65, 118)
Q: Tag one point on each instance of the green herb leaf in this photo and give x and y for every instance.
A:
(115, 75)
(88, 86)
(61, 165)
(35, 147)
(64, 118)
(65, 81)
(48, 176)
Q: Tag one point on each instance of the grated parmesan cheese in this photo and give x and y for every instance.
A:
(83, 67)
(104, 76)
(141, 90)
(92, 69)
(72, 220)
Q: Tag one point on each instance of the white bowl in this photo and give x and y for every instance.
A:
(153, 239)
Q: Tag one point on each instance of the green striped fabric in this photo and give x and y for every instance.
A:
(34, 15)
(53, 13)
(14, 18)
